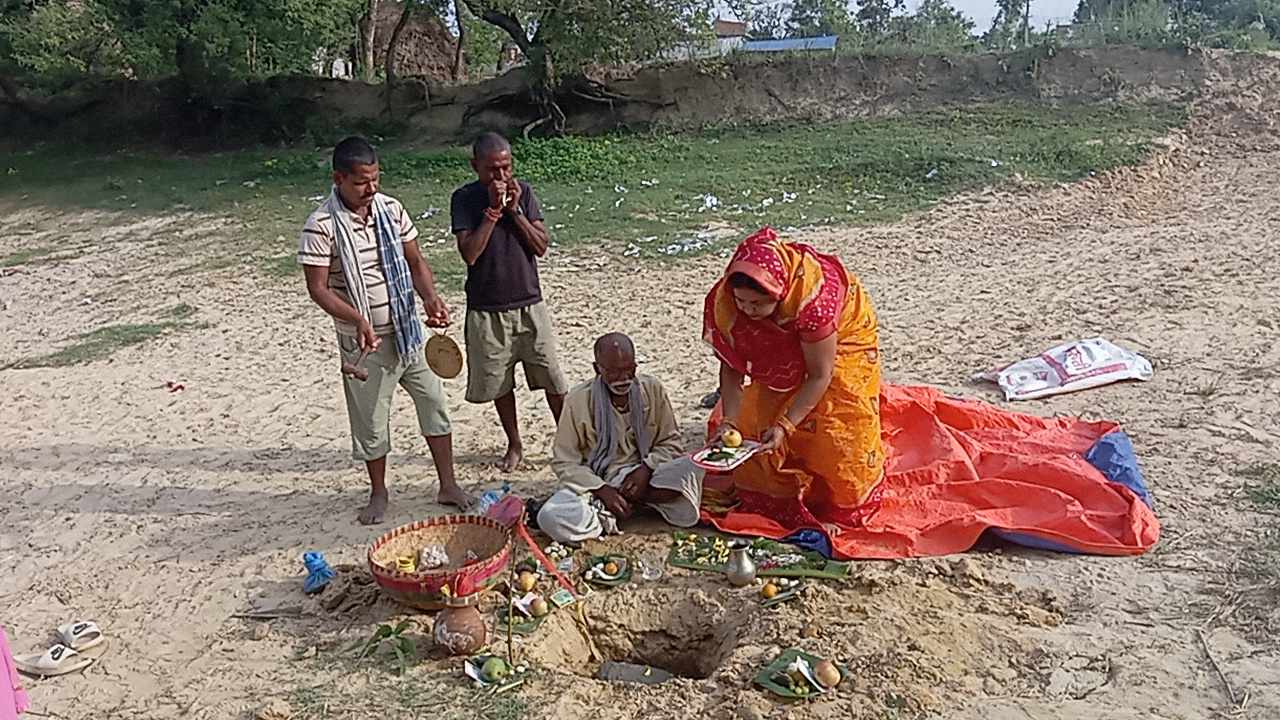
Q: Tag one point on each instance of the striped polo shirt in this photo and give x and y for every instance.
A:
(317, 247)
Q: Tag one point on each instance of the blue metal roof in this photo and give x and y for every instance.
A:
(826, 42)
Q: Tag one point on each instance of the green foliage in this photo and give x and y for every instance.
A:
(483, 46)
(403, 646)
(62, 41)
(1009, 29)
(587, 32)
(574, 34)
(935, 25)
(766, 20)
(815, 18)
(1234, 24)
(201, 39)
(874, 15)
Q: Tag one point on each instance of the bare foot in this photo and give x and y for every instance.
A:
(512, 460)
(455, 496)
(375, 511)
(832, 529)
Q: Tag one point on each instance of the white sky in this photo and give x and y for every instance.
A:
(983, 11)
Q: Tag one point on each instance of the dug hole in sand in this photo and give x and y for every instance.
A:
(916, 638)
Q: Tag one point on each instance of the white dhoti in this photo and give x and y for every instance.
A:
(571, 517)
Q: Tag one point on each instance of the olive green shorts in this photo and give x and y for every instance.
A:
(369, 401)
(496, 341)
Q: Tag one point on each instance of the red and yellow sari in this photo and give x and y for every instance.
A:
(829, 470)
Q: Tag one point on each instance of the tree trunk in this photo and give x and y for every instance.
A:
(509, 24)
(368, 33)
(459, 71)
(1026, 25)
(392, 46)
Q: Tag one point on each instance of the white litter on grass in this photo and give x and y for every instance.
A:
(619, 202)
(766, 202)
(648, 238)
(250, 183)
(649, 183)
(700, 241)
(316, 198)
(619, 189)
(709, 202)
(931, 174)
(1068, 368)
(788, 197)
(632, 250)
(429, 213)
(558, 226)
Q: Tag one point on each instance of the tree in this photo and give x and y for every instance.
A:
(765, 19)
(459, 70)
(1010, 27)
(814, 18)
(935, 24)
(874, 16)
(61, 41)
(576, 33)
(561, 37)
(368, 38)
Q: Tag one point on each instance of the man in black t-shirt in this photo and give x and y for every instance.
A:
(500, 232)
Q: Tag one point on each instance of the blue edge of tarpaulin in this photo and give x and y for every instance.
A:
(1112, 455)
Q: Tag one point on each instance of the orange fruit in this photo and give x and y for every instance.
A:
(769, 591)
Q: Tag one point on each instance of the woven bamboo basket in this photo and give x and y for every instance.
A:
(479, 551)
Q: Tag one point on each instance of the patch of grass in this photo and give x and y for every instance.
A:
(647, 193)
(181, 311)
(27, 255)
(1264, 488)
(415, 695)
(100, 344)
(1206, 389)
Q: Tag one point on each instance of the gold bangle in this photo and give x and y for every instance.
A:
(785, 423)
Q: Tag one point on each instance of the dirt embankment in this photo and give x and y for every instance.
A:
(740, 90)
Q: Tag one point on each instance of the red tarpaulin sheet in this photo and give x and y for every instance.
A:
(956, 468)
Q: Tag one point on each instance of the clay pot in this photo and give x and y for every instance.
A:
(460, 628)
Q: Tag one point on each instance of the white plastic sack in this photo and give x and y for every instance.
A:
(1068, 368)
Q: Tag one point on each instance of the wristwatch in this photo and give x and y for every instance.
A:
(518, 211)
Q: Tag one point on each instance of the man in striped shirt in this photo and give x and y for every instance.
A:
(355, 179)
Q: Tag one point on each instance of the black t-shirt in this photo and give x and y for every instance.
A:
(505, 276)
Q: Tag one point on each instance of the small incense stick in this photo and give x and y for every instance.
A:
(511, 611)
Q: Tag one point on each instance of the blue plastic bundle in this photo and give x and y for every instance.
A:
(318, 572)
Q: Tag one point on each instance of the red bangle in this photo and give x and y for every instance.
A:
(494, 215)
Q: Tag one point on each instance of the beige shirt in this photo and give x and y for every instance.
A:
(316, 247)
(576, 436)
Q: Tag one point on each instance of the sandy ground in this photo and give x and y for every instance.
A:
(159, 515)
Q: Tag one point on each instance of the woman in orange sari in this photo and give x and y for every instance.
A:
(802, 328)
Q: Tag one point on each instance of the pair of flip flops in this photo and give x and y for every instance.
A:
(64, 657)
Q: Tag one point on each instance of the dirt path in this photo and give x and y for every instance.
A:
(160, 514)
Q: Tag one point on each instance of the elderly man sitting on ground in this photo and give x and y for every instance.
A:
(617, 448)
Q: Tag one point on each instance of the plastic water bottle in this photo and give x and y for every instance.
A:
(491, 498)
